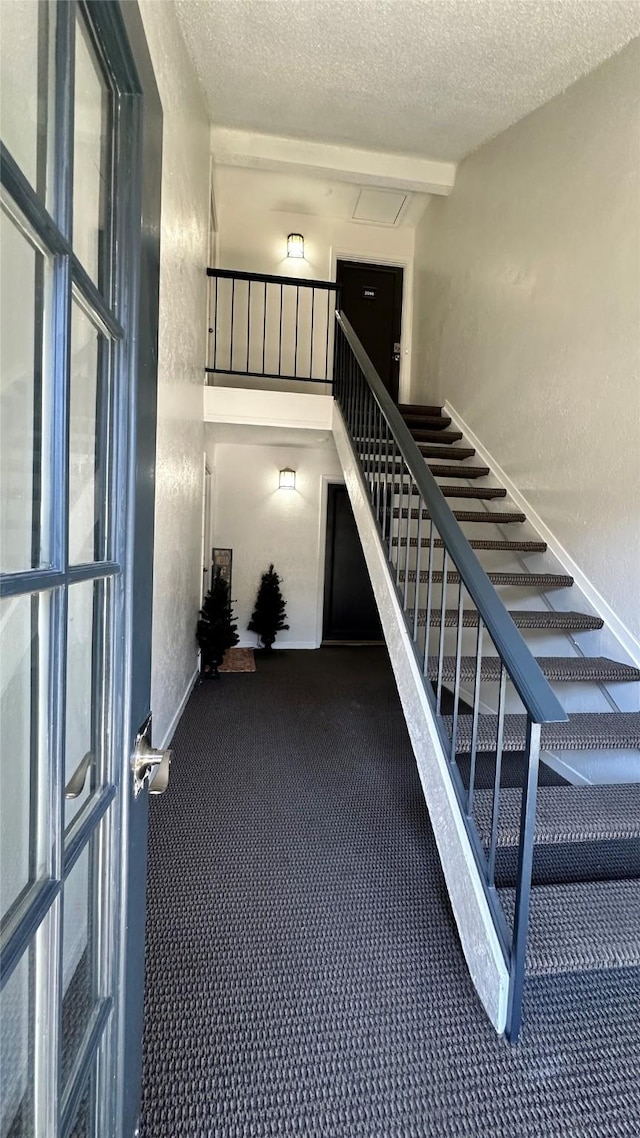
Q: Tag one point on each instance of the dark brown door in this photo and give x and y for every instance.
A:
(372, 302)
(350, 611)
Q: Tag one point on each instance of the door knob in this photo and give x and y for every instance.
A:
(149, 764)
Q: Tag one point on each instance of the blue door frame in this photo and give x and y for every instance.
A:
(111, 1051)
(149, 158)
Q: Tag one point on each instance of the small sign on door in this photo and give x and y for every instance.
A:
(369, 293)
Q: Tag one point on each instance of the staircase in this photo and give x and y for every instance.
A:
(574, 926)
(560, 863)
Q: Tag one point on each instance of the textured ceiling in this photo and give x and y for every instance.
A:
(434, 78)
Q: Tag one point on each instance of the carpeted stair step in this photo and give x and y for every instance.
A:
(522, 618)
(559, 669)
(421, 435)
(427, 422)
(584, 731)
(585, 927)
(564, 814)
(448, 453)
(479, 492)
(497, 517)
(458, 471)
(484, 543)
(418, 409)
(522, 580)
(438, 471)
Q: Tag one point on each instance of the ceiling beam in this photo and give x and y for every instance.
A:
(342, 163)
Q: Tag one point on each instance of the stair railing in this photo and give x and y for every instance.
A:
(271, 327)
(412, 514)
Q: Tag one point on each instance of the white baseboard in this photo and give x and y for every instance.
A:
(619, 630)
(171, 730)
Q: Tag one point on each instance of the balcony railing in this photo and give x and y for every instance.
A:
(271, 327)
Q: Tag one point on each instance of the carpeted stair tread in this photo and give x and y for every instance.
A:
(419, 409)
(422, 435)
(558, 669)
(439, 471)
(522, 618)
(584, 731)
(522, 580)
(496, 517)
(450, 453)
(426, 422)
(485, 543)
(479, 492)
(458, 471)
(564, 814)
(582, 927)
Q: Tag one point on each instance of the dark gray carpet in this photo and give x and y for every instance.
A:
(304, 973)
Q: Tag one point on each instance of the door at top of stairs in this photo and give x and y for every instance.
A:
(371, 299)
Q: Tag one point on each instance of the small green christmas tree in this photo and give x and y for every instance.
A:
(269, 614)
(216, 631)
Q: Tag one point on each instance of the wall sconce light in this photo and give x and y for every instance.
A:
(287, 479)
(295, 245)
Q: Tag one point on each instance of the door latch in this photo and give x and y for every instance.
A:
(149, 765)
(396, 351)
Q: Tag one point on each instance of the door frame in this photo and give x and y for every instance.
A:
(113, 1035)
(325, 561)
(143, 411)
(326, 481)
(405, 263)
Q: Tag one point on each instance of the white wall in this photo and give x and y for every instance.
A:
(253, 237)
(263, 524)
(527, 317)
(180, 446)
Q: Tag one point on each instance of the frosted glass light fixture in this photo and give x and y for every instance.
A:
(287, 479)
(295, 245)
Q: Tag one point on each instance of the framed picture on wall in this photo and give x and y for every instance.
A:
(221, 559)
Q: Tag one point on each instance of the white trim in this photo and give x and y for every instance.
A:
(231, 147)
(619, 630)
(478, 936)
(171, 729)
(267, 408)
(406, 319)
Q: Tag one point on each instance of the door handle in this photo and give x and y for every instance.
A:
(75, 785)
(149, 764)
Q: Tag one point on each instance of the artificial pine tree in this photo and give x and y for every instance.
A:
(268, 616)
(216, 631)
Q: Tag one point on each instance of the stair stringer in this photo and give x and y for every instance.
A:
(480, 944)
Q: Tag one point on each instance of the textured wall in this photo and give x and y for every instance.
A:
(527, 317)
(179, 469)
(261, 523)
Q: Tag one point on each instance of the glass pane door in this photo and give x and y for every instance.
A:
(64, 457)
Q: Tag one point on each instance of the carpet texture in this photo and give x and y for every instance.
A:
(304, 973)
